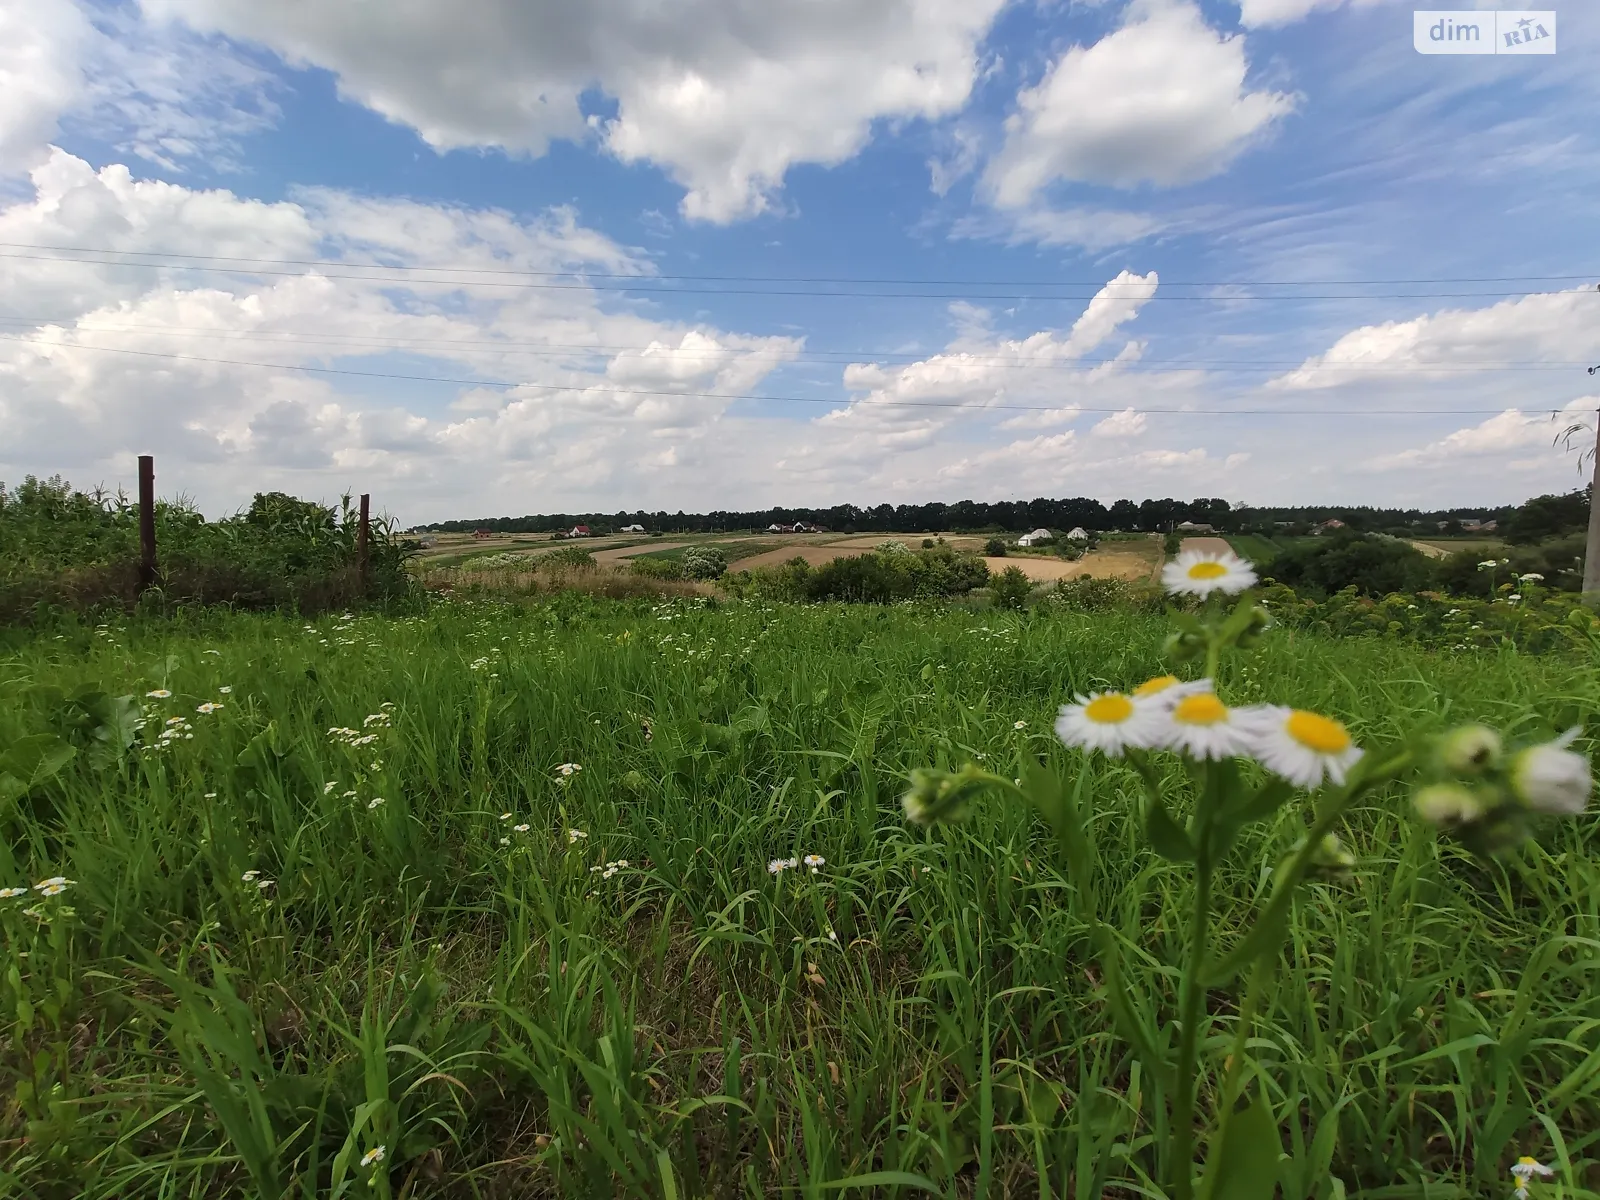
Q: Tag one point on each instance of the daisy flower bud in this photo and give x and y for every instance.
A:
(1470, 750)
(1448, 804)
(1549, 778)
(939, 795)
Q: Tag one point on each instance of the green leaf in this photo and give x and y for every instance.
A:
(32, 760)
(1263, 939)
(1167, 837)
(882, 1179)
(1245, 1165)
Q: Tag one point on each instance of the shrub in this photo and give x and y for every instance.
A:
(704, 562)
(568, 558)
(1172, 543)
(656, 568)
(1374, 566)
(1011, 588)
(927, 543)
(1087, 594)
(995, 547)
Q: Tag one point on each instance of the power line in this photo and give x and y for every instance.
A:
(836, 295)
(1012, 282)
(816, 357)
(557, 387)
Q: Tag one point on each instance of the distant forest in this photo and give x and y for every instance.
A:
(971, 516)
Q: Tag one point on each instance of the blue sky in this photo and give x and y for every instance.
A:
(1155, 247)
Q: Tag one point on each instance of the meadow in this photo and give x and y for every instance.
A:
(481, 902)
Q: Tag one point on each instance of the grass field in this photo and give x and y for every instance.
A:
(371, 902)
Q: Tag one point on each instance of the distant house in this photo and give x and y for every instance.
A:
(802, 527)
(1037, 538)
(1194, 527)
(1488, 526)
(578, 531)
(1328, 526)
(1079, 534)
(481, 533)
(633, 529)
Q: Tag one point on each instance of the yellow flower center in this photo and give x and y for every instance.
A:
(1201, 709)
(1151, 686)
(1318, 733)
(1526, 1161)
(1209, 569)
(1111, 709)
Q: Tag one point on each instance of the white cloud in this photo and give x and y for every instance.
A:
(1258, 13)
(41, 42)
(1162, 100)
(725, 95)
(1553, 327)
(1130, 422)
(1495, 438)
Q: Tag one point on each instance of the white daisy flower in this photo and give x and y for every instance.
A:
(1201, 572)
(566, 771)
(375, 802)
(11, 893)
(1531, 577)
(1019, 725)
(225, 689)
(779, 865)
(521, 828)
(328, 787)
(1167, 690)
(250, 877)
(372, 1157)
(1303, 747)
(505, 816)
(505, 841)
(573, 835)
(53, 886)
(209, 707)
(1202, 726)
(1110, 722)
(1523, 1172)
(814, 861)
(158, 694)
(263, 884)
(1549, 778)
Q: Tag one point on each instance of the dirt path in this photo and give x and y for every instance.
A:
(1431, 551)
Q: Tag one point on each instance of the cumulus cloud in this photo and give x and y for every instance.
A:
(1501, 435)
(41, 44)
(99, 362)
(1162, 100)
(1456, 343)
(725, 95)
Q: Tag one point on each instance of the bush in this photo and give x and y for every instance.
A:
(883, 577)
(1087, 594)
(568, 558)
(1373, 566)
(656, 568)
(1011, 588)
(704, 562)
(927, 543)
(1172, 543)
(995, 548)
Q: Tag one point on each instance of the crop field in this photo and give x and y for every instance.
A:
(617, 898)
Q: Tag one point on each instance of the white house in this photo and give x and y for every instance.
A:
(1036, 538)
(1079, 534)
(633, 529)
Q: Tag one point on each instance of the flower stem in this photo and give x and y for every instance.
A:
(1191, 1002)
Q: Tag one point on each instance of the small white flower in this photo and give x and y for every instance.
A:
(211, 795)
(1523, 1172)
(573, 835)
(1530, 577)
(1303, 747)
(1110, 722)
(250, 877)
(1202, 726)
(349, 795)
(263, 884)
(505, 816)
(225, 689)
(53, 886)
(505, 841)
(1550, 778)
(158, 694)
(372, 1157)
(521, 828)
(1514, 598)
(568, 770)
(10, 893)
(779, 865)
(174, 721)
(814, 861)
(1019, 725)
(209, 707)
(375, 802)
(328, 787)
(1200, 572)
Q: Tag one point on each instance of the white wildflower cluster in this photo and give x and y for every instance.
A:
(812, 862)
(173, 731)
(53, 886)
(209, 707)
(610, 868)
(353, 737)
(574, 836)
(1305, 748)
(565, 772)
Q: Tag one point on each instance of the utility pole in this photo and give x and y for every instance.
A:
(148, 576)
(1591, 550)
(364, 543)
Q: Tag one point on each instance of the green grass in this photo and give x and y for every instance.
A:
(1259, 548)
(734, 550)
(506, 1020)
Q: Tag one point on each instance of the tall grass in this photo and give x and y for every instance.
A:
(513, 1012)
